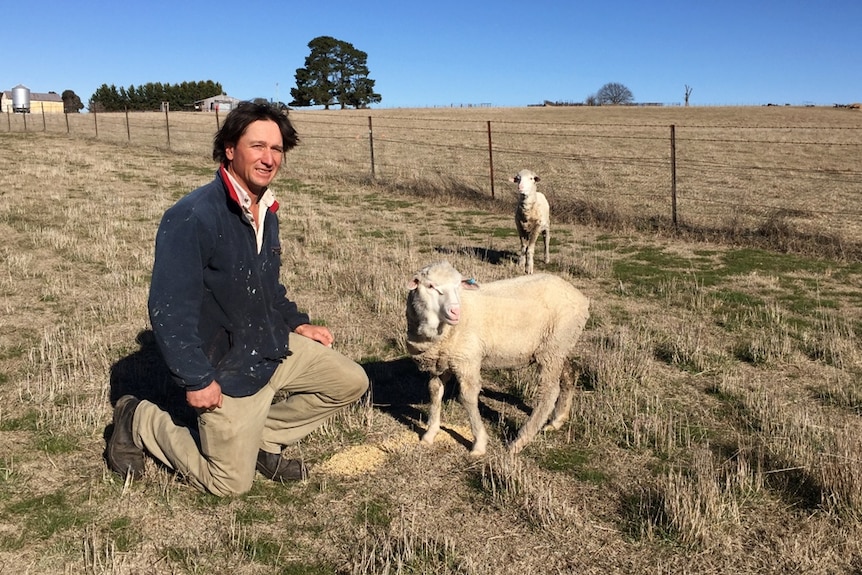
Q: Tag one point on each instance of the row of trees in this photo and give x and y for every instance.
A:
(335, 73)
(147, 97)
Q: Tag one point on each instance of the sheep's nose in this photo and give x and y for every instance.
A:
(453, 313)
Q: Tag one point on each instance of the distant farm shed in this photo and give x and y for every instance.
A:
(50, 103)
(220, 103)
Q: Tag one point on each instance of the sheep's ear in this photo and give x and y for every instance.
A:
(469, 284)
(413, 284)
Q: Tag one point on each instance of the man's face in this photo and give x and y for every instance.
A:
(256, 157)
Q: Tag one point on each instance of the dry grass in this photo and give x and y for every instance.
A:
(715, 429)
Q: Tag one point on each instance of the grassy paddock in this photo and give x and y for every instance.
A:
(715, 428)
(786, 178)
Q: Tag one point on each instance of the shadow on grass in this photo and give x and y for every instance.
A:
(397, 387)
(145, 375)
(493, 257)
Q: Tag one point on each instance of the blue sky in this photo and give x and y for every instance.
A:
(421, 54)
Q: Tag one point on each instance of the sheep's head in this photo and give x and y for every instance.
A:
(435, 297)
(526, 180)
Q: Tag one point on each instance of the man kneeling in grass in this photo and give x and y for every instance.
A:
(228, 332)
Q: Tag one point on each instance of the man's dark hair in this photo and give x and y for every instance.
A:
(239, 119)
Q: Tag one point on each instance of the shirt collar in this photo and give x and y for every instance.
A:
(243, 197)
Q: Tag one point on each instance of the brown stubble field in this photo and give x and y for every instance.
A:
(716, 424)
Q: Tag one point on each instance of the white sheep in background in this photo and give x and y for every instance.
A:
(532, 217)
(456, 327)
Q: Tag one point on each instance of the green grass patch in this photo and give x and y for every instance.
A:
(43, 516)
(124, 533)
(571, 460)
(376, 511)
(27, 422)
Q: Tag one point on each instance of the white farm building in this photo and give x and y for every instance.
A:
(220, 103)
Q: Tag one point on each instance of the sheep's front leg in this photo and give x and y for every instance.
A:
(435, 387)
(547, 236)
(522, 257)
(531, 250)
(469, 394)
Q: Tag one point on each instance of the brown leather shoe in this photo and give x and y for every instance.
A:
(124, 457)
(274, 466)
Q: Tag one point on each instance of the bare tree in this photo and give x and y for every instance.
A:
(614, 93)
(687, 93)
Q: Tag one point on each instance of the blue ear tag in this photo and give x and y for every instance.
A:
(470, 281)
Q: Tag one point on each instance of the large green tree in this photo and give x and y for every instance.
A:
(335, 73)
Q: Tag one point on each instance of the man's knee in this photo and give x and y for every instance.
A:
(358, 382)
(230, 486)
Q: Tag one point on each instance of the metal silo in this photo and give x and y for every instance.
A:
(21, 99)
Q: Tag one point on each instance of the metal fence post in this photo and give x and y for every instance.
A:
(371, 143)
(673, 173)
(491, 158)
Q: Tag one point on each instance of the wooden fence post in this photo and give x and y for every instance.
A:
(128, 129)
(167, 125)
(673, 173)
(67, 122)
(491, 158)
(371, 143)
(44, 126)
(95, 122)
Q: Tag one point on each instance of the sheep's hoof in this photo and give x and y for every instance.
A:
(428, 438)
(477, 452)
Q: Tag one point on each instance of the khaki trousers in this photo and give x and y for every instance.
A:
(319, 382)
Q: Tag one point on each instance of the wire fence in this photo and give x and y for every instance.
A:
(713, 169)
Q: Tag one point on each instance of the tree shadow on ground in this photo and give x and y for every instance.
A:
(493, 257)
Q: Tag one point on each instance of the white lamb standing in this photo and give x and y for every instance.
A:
(457, 327)
(532, 217)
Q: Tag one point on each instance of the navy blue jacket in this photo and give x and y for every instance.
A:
(217, 307)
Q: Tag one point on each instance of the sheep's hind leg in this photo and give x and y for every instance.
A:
(549, 391)
(564, 401)
(436, 386)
